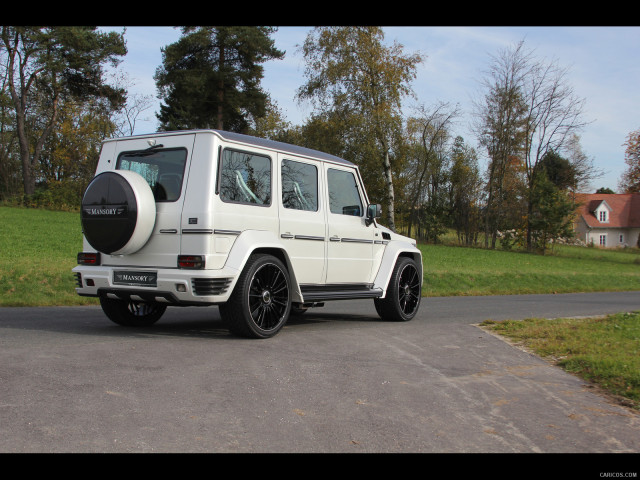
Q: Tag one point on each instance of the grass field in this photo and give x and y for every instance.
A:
(451, 270)
(38, 249)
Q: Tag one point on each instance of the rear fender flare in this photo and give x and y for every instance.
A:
(260, 241)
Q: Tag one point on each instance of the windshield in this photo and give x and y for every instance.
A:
(163, 169)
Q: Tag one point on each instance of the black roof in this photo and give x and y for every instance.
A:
(258, 142)
(285, 147)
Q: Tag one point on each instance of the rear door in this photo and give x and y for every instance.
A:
(302, 217)
(164, 165)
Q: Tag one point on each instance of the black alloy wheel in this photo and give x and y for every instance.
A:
(409, 289)
(404, 292)
(260, 303)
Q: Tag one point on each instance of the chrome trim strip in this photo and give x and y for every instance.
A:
(356, 240)
(309, 237)
(227, 232)
(197, 230)
(171, 230)
(286, 235)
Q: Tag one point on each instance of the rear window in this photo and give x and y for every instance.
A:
(163, 169)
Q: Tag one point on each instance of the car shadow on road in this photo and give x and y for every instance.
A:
(180, 322)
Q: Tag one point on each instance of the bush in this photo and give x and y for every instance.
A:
(58, 195)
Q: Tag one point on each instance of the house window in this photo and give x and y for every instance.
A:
(603, 240)
(603, 215)
(621, 238)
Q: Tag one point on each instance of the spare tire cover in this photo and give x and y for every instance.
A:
(118, 212)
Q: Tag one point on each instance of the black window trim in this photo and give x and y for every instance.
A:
(356, 179)
(219, 178)
(314, 165)
(149, 151)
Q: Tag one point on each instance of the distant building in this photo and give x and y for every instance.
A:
(609, 220)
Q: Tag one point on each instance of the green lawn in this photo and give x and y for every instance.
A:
(38, 249)
(451, 270)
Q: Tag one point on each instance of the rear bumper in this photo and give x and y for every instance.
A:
(174, 286)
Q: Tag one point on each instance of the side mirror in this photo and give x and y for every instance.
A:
(373, 211)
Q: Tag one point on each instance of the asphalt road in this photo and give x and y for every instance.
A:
(337, 379)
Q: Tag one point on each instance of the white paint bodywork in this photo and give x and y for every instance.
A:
(320, 248)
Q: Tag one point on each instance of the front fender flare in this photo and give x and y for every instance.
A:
(393, 250)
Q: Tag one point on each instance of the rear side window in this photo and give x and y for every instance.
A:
(245, 178)
(299, 186)
(162, 169)
(344, 198)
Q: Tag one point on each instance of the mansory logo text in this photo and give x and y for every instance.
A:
(135, 278)
(147, 279)
(104, 211)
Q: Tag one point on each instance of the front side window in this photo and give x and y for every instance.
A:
(163, 170)
(299, 186)
(344, 198)
(245, 178)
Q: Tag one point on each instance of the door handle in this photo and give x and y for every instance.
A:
(335, 238)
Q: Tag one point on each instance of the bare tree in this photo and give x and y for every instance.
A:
(430, 130)
(529, 109)
(500, 123)
(554, 115)
(583, 167)
(125, 119)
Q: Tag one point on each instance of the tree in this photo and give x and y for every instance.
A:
(210, 77)
(45, 65)
(554, 115)
(605, 190)
(428, 166)
(630, 181)
(559, 170)
(351, 73)
(500, 126)
(552, 212)
(125, 119)
(583, 167)
(464, 191)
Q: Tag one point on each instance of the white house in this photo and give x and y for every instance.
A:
(609, 220)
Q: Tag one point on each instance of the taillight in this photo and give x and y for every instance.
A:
(191, 261)
(89, 258)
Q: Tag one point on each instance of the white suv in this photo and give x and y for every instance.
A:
(260, 228)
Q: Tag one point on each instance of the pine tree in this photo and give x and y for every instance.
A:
(210, 78)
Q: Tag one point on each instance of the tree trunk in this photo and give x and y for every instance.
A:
(389, 182)
(221, 60)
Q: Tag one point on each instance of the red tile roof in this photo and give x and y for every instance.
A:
(624, 209)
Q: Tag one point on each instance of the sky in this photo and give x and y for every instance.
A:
(603, 69)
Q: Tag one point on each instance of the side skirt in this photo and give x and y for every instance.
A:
(322, 293)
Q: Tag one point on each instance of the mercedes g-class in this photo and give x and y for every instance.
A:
(260, 228)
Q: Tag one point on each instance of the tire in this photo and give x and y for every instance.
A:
(261, 300)
(402, 300)
(118, 212)
(130, 313)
